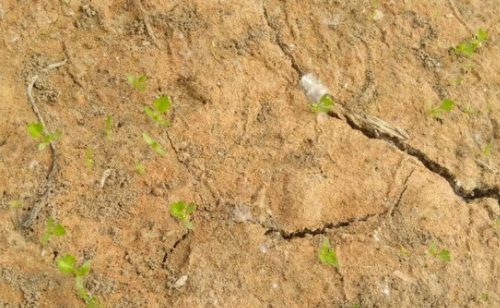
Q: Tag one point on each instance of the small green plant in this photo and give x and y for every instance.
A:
(323, 105)
(404, 252)
(327, 255)
(139, 169)
(153, 144)
(457, 81)
(446, 105)
(89, 162)
(15, 204)
(138, 82)
(468, 110)
(468, 48)
(108, 127)
(161, 105)
(496, 224)
(486, 150)
(36, 131)
(483, 298)
(443, 254)
(66, 265)
(181, 211)
(57, 230)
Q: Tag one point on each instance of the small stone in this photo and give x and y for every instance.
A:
(157, 192)
(180, 282)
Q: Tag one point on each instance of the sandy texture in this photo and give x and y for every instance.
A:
(377, 176)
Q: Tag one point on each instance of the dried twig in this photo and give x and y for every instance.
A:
(42, 201)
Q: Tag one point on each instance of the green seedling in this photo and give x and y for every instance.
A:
(323, 105)
(468, 110)
(138, 82)
(66, 265)
(181, 211)
(139, 169)
(36, 131)
(468, 48)
(153, 144)
(108, 127)
(161, 105)
(496, 224)
(404, 252)
(457, 81)
(443, 254)
(88, 159)
(483, 298)
(446, 105)
(57, 230)
(15, 204)
(486, 150)
(327, 255)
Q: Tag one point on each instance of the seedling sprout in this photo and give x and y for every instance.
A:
(153, 144)
(36, 131)
(89, 162)
(323, 105)
(161, 105)
(468, 48)
(108, 127)
(137, 83)
(181, 211)
(139, 169)
(66, 265)
(446, 105)
(443, 254)
(15, 204)
(57, 230)
(327, 255)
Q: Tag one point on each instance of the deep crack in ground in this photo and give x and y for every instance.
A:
(429, 164)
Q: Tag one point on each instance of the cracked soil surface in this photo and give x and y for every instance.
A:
(270, 179)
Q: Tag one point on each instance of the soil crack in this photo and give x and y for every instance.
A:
(477, 193)
(279, 42)
(320, 231)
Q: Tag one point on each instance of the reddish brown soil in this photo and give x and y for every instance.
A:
(270, 179)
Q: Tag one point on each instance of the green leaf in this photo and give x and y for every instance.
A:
(45, 238)
(487, 148)
(15, 204)
(147, 138)
(163, 122)
(446, 104)
(141, 79)
(139, 169)
(35, 129)
(158, 149)
(190, 208)
(149, 112)
(432, 248)
(162, 104)
(56, 135)
(327, 256)
(108, 127)
(481, 35)
(84, 269)
(42, 146)
(188, 224)
(323, 105)
(177, 208)
(65, 264)
(49, 223)
(59, 230)
(444, 255)
(131, 78)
